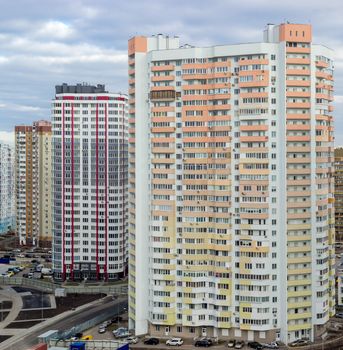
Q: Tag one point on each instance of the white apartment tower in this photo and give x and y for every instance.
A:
(7, 215)
(231, 187)
(89, 157)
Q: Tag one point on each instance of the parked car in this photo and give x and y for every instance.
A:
(131, 340)
(107, 323)
(87, 337)
(272, 345)
(255, 345)
(339, 315)
(116, 319)
(151, 341)
(239, 344)
(174, 342)
(118, 330)
(299, 342)
(204, 342)
(102, 329)
(123, 334)
(231, 343)
(34, 261)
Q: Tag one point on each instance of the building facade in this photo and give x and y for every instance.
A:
(7, 214)
(339, 194)
(230, 187)
(33, 183)
(89, 155)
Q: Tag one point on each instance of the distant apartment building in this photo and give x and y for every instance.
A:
(231, 187)
(89, 177)
(33, 184)
(7, 215)
(339, 194)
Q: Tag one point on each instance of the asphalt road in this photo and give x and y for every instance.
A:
(65, 323)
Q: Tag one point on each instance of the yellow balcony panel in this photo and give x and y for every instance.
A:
(246, 327)
(304, 259)
(187, 289)
(224, 325)
(298, 238)
(292, 316)
(169, 266)
(299, 304)
(187, 300)
(301, 293)
(168, 299)
(245, 282)
(298, 271)
(187, 312)
(297, 327)
(168, 277)
(298, 227)
(247, 315)
(255, 249)
(298, 249)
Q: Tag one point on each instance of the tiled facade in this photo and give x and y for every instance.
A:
(89, 149)
(7, 214)
(33, 183)
(231, 187)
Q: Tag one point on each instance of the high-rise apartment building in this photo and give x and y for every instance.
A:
(339, 194)
(231, 188)
(89, 155)
(33, 183)
(7, 218)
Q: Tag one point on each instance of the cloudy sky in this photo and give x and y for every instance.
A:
(45, 42)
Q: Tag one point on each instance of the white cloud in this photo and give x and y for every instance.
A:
(19, 107)
(55, 30)
(7, 137)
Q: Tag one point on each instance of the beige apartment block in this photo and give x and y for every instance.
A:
(33, 184)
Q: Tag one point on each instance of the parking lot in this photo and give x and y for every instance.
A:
(25, 261)
(108, 335)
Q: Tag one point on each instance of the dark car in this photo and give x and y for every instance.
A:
(116, 319)
(35, 261)
(255, 345)
(28, 255)
(151, 341)
(203, 342)
(25, 275)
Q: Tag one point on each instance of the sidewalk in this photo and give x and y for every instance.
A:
(17, 305)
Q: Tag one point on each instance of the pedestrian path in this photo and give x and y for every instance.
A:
(17, 304)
